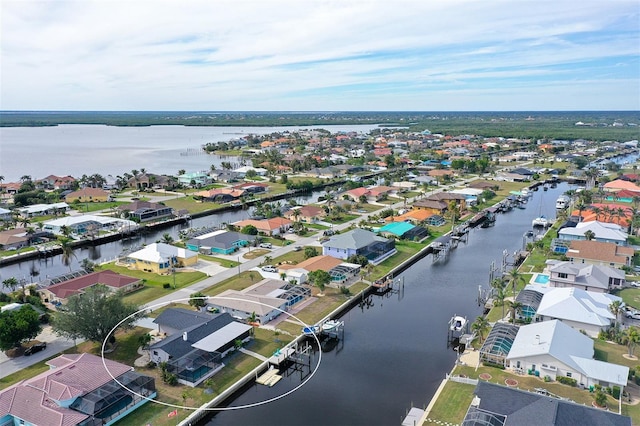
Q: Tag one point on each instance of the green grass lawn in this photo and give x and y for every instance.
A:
(453, 403)
(190, 204)
(630, 296)
(406, 249)
(343, 219)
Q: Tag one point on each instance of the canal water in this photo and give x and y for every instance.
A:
(394, 353)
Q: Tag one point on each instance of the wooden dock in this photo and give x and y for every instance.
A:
(270, 377)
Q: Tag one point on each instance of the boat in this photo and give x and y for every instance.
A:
(457, 323)
(331, 325)
(310, 330)
(489, 220)
(526, 192)
(562, 202)
(546, 188)
(540, 221)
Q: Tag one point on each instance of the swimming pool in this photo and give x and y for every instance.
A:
(542, 279)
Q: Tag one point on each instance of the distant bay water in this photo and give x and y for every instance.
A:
(109, 150)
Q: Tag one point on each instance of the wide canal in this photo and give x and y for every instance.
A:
(394, 353)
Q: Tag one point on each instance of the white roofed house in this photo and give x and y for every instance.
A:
(596, 278)
(554, 349)
(603, 232)
(586, 311)
(160, 258)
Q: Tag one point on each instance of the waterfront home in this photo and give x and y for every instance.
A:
(160, 258)
(89, 225)
(554, 349)
(59, 291)
(620, 184)
(77, 390)
(220, 195)
(273, 226)
(252, 187)
(403, 230)
(144, 211)
(174, 320)
(307, 214)
(414, 216)
(361, 242)
(194, 179)
(431, 207)
(583, 310)
(150, 180)
(603, 232)
(600, 253)
(340, 272)
(601, 279)
(242, 171)
(195, 352)
(459, 200)
(44, 209)
(219, 242)
(264, 301)
(225, 176)
(88, 195)
(12, 239)
(504, 406)
(56, 182)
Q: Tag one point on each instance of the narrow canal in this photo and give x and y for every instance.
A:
(394, 352)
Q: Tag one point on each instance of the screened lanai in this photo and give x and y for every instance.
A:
(111, 399)
(498, 344)
(530, 300)
(195, 365)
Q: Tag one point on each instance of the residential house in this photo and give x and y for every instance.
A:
(195, 353)
(403, 230)
(262, 301)
(220, 195)
(603, 232)
(88, 195)
(600, 253)
(339, 271)
(77, 390)
(620, 184)
(144, 211)
(601, 279)
(459, 200)
(57, 182)
(582, 310)
(252, 187)
(194, 179)
(414, 216)
(44, 209)
(242, 171)
(271, 227)
(15, 238)
(504, 406)
(225, 176)
(174, 320)
(5, 215)
(59, 292)
(359, 242)
(219, 242)
(307, 214)
(160, 258)
(89, 225)
(431, 206)
(554, 349)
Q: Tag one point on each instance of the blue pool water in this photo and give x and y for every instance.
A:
(542, 279)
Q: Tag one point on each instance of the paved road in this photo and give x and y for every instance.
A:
(57, 344)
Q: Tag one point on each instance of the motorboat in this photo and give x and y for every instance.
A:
(457, 323)
(562, 202)
(331, 325)
(310, 330)
(540, 221)
(526, 192)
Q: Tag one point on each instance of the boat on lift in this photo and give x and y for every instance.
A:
(457, 323)
(540, 221)
(331, 325)
(311, 330)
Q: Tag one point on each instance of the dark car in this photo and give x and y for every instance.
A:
(35, 348)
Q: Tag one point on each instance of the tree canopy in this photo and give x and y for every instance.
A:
(17, 326)
(93, 314)
(320, 278)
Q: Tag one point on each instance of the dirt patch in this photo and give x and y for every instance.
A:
(485, 376)
(511, 382)
(630, 357)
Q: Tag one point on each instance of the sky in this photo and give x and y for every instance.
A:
(308, 55)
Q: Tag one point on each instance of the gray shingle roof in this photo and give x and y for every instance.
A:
(180, 319)
(354, 239)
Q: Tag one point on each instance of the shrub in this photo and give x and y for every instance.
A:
(171, 379)
(601, 398)
(166, 285)
(615, 392)
(547, 378)
(151, 365)
(345, 291)
(567, 381)
(493, 364)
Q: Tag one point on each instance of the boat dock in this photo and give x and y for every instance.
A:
(270, 377)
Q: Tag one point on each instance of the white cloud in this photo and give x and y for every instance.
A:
(314, 55)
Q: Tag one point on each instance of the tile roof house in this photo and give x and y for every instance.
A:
(604, 232)
(220, 195)
(76, 390)
(115, 282)
(361, 242)
(618, 184)
(596, 278)
(554, 349)
(503, 406)
(88, 195)
(273, 226)
(583, 310)
(221, 241)
(600, 253)
(195, 353)
(160, 258)
(307, 214)
(431, 206)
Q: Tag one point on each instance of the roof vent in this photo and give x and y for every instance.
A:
(184, 336)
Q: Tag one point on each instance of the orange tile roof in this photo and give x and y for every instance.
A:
(322, 262)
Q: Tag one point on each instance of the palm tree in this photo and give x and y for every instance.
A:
(616, 309)
(480, 326)
(631, 338)
(589, 235)
(166, 238)
(597, 211)
(514, 278)
(11, 283)
(67, 250)
(515, 308)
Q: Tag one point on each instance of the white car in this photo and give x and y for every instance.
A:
(269, 268)
(265, 245)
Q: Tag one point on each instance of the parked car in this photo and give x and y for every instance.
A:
(297, 248)
(265, 245)
(635, 284)
(35, 348)
(632, 314)
(269, 268)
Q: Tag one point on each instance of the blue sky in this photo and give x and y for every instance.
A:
(330, 55)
